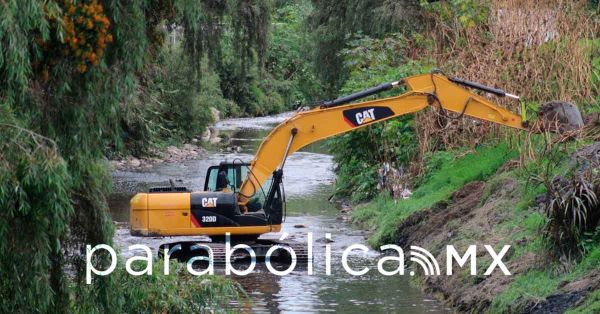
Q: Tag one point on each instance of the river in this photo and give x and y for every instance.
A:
(308, 179)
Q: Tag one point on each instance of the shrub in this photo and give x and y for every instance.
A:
(573, 209)
(34, 220)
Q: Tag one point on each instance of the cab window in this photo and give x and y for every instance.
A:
(235, 174)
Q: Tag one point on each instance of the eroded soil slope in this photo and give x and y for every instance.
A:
(488, 213)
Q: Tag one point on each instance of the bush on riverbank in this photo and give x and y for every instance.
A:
(178, 292)
(35, 187)
(80, 81)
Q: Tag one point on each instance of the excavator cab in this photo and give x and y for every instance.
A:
(214, 211)
(228, 177)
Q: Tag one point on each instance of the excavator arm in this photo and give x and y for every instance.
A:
(170, 211)
(337, 117)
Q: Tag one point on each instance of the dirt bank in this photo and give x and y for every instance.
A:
(462, 221)
(479, 213)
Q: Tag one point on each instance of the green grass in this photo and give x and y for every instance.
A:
(538, 284)
(385, 215)
(591, 305)
(522, 226)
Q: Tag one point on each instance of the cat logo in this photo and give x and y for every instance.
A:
(361, 116)
(365, 116)
(209, 202)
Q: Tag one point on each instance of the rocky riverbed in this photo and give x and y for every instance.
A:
(171, 154)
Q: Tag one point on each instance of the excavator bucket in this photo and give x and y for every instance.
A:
(560, 117)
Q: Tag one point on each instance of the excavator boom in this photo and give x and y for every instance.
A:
(337, 117)
(229, 206)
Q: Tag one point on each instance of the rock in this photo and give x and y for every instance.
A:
(215, 114)
(194, 140)
(188, 147)
(115, 164)
(324, 240)
(172, 150)
(134, 162)
(206, 135)
(588, 157)
(559, 116)
(214, 136)
(299, 226)
(557, 303)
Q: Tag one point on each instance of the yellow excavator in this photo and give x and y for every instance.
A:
(246, 200)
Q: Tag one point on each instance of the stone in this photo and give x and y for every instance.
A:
(324, 240)
(560, 116)
(215, 114)
(134, 162)
(206, 135)
(172, 150)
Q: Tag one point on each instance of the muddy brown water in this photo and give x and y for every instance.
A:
(308, 183)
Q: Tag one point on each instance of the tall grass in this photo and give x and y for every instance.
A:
(540, 50)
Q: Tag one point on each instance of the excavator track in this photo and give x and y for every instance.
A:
(260, 248)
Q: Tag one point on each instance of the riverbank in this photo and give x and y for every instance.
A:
(216, 137)
(157, 156)
(485, 197)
